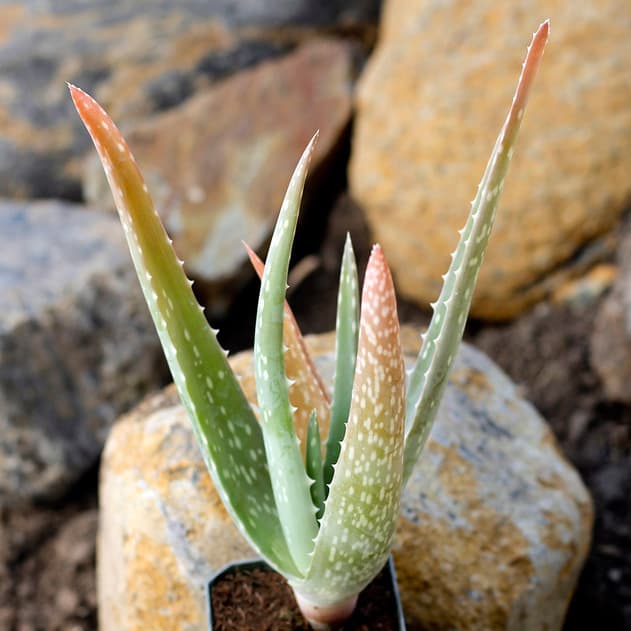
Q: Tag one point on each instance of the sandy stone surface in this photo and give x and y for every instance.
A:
(494, 524)
(429, 107)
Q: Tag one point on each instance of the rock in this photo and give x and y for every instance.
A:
(429, 107)
(136, 58)
(610, 347)
(587, 288)
(218, 166)
(77, 346)
(546, 352)
(494, 524)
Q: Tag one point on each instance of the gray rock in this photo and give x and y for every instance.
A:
(611, 340)
(136, 58)
(494, 526)
(77, 346)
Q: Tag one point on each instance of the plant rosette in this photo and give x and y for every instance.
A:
(312, 481)
(243, 593)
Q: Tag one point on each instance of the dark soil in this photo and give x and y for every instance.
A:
(546, 352)
(261, 600)
(47, 561)
(47, 577)
(250, 600)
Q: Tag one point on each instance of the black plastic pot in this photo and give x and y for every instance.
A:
(258, 564)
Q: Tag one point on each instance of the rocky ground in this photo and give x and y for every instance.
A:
(47, 553)
(546, 352)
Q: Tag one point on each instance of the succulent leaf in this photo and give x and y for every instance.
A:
(314, 464)
(363, 504)
(289, 479)
(226, 429)
(429, 375)
(306, 392)
(346, 332)
(376, 433)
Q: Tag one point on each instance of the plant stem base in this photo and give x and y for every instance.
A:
(251, 596)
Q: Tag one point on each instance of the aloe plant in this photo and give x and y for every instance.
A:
(313, 484)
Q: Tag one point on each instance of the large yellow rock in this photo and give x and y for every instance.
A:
(429, 107)
(494, 524)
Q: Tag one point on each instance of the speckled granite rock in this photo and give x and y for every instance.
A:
(136, 57)
(610, 349)
(218, 165)
(494, 526)
(429, 107)
(77, 346)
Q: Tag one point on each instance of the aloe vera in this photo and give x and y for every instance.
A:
(315, 484)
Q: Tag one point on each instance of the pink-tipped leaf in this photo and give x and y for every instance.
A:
(362, 508)
(440, 343)
(226, 429)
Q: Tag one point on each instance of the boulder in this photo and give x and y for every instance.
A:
(77, 346)
(588, 288)
(610, 348)
(494, 524)
(430, 104)
(136, 57)
(218, 165)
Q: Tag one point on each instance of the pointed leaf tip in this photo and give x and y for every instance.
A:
(310, 148)
(291, 489)
(77, 94)
(256, 262)
(544, 27)
(347, 327)
(377, 271)
(126, 182)
(376, 251)
(531, 63)
(86, 106)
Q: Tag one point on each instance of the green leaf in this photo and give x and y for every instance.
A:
(346, 331)
(361, 511)
(306, 392)
(224, 424)
(289, 479)
(314, 464)
(440, 343)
